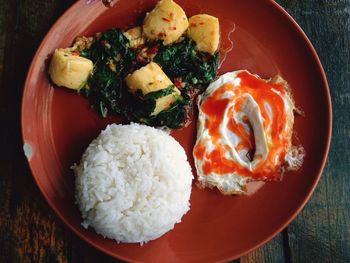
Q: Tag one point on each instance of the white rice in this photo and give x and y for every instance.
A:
(133, 183)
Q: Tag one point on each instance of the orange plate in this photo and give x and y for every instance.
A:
(57, 125)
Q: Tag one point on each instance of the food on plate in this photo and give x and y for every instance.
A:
(245, 128)
(70, 70)
(116, 58)
(167, 21)
(151, 80)
(135, 37)
(204, 30)
(133, 183)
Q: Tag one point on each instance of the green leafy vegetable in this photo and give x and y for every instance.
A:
(182, 60)
(113, 59)
(174, 117)
(159, 93)
(107, 85)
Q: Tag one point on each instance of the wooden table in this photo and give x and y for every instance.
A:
(30, 232)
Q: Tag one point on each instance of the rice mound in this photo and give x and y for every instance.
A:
(133, 183)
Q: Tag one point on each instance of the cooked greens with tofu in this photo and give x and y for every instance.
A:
(69, 70)
(149, 73)
(204, 30)
(167, 21)
(150, 79)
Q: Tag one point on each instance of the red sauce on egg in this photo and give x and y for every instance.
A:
(214, 107)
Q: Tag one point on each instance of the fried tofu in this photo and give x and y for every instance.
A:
(167, 21)
(204, 30)
(135, 36)
(69, 70)
(151, 78)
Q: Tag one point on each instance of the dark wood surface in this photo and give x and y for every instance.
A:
(29, 230)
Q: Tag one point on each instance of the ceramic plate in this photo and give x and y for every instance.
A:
(58, 125)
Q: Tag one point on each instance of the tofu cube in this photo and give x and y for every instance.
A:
(152, 78)
(204, 30)
(69, 70)
(135, 36)
(167, 21)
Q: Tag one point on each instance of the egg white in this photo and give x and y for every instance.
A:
(235, 183)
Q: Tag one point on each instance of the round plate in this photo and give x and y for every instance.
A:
(57, 126)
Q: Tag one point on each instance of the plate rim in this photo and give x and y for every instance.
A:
(325, 153)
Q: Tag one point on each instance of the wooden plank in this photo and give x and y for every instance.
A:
(273, 251)
(3, 24)
(321, 233)
(5, 19)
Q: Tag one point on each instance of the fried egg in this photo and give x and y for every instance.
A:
(244, 132)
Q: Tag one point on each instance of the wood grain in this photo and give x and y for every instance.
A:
(30, 232)
(322, 230)
(274, 251)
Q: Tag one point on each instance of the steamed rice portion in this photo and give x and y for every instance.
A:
(133, 183)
